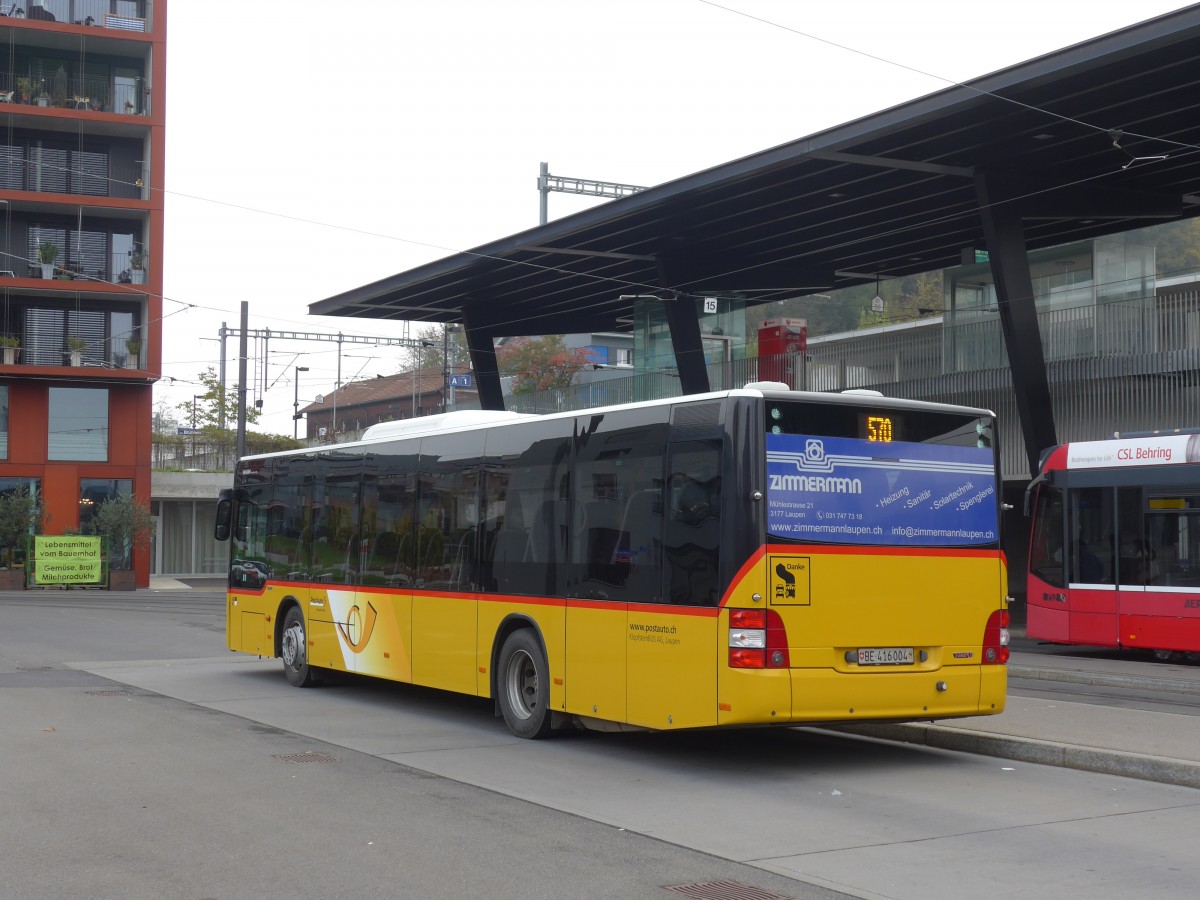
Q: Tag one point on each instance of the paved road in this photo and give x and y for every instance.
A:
(153, 763)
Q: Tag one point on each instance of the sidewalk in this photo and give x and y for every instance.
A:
(1138, 743)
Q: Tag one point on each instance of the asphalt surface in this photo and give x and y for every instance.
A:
(1055, 714)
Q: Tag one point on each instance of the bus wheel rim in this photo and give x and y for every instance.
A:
(293, 646)
(522, 684)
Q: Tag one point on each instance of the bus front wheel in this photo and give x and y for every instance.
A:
(524, 686)
(294, 649)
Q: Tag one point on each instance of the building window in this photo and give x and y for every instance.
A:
(95, 491)
(622, 356)
(78, 424)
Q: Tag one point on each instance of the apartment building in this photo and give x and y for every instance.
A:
(82, 106)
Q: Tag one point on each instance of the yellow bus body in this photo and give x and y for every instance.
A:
(664, 666)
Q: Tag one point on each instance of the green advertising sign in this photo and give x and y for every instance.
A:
(67, 559)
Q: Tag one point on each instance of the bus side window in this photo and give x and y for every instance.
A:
(1046, 544)
(693, 524)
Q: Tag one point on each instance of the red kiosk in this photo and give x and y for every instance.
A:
(777, 340)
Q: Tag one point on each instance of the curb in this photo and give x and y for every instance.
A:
(1164, 770)
(1104, 679)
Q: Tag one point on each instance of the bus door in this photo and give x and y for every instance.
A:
(673, 648)
(445, 614)
(1094, 596)
(630, 656)
(1048, 613)
(388, 553)
(330, 543)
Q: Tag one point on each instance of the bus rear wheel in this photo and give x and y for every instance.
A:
(294, 649)
(523, 687)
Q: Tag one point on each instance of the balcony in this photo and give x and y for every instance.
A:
(51, 333)
(88, 175)
(83, 93)
(92, 13)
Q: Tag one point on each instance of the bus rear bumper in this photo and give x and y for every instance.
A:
(949, 692)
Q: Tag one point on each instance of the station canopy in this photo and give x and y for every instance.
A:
(1093, 139)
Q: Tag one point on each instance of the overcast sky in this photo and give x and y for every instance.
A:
(313, 147)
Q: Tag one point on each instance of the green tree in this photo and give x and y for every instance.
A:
(905, 299)
(434, 344)
(1176, 246)
(126, 523)
(541, 364)
(207, 410)
(20, 516)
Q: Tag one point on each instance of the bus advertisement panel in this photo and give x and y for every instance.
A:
(865, 492)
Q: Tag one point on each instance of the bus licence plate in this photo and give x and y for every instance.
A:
(885, 656)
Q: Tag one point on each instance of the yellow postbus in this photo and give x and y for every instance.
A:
(737, 558)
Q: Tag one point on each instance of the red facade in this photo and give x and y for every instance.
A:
(84, 110)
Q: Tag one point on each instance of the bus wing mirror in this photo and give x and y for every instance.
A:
(224, 518)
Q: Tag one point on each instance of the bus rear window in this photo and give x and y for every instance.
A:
(880, 476)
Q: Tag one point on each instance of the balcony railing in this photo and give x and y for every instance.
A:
(96, 178)
(93, 354)
(81, 12)
(1166, 329)
(86, 93)
(88, 270)
(1109, 330)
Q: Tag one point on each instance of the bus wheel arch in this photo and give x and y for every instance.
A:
(291, 645)
(521, 679)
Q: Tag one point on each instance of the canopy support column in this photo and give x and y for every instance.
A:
(1009, 261)
(483, 362)
(683, 319)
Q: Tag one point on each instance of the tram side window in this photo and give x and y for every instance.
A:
(1173, 538)
(1134, 556)
(1046, 545)
(1091, 545)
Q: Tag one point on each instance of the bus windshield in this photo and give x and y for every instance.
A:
(888, 477)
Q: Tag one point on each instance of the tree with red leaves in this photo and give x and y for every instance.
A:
(541, 364)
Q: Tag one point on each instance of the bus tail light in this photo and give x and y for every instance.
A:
(995, 639)
(757, 640)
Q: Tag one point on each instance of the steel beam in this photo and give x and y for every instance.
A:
(1009, 261)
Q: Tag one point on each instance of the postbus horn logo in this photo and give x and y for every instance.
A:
(356, 630)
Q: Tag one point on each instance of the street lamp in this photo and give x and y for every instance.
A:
(296, 405)
(195, 397)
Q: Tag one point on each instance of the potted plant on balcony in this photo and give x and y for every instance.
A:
(12, 347)
(20, 516)
(47, 253)
(127, 524)
(134, 346)
(137, 267)
(24, 89)
(76, 345)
